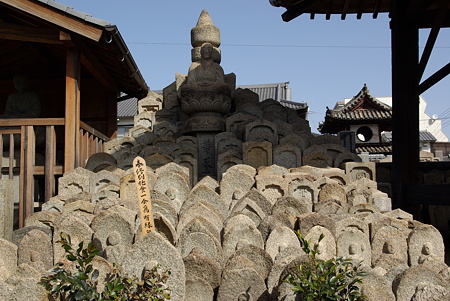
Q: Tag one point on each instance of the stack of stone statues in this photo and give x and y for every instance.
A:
(231, 179)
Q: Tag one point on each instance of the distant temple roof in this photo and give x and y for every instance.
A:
(362, 108)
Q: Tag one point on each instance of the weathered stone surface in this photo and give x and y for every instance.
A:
(73, 226)
(261, 130)
(284, 257)
(175, 185)
(267, 225)
(333, 192)
(389, 247)
(6, 208)
(36, 250)
(75, 181)
(99, 180)
(425, 245)
(254, 203)
(202, 243)
(327, 246)
(153, 248)
(358, 170)
(354, 243)
(100, 161)
(201, 224)
(262, 262)
(287, 155)
(202, 267)
(198, 289)
(317, 157)
(257, 153)
(43, 219)
(242, 284)
(8, 259)
(206, 194)
(272, 187)
(376, 287)
(415, 280)
(226, 160)
(236, 122)
(303, 190)
(281, 237)
(236, 182)
(238, 234)
(113, 229)
(200, 209)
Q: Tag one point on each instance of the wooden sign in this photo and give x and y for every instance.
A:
(145, 203)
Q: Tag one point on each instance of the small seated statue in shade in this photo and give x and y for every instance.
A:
(22, 103)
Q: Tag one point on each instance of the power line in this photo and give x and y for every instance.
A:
(277, 45)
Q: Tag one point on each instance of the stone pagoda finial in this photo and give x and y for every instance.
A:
(205, 31)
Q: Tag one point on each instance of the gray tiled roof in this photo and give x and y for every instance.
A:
(383, 149)
(423, 136)
(127, 108)
(76, 13)
(426, 136)
(276, 91)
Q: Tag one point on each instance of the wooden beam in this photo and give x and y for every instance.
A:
(345, 9)
(297, 9)
(405, 103)
(434, 79)
(376, 9)
(440, 17)
(360, 9)
(50, 162)
(94, 66)
(72, 110)
(57, 17)
(32, 34)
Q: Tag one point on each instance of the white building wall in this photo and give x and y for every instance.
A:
(426, 122)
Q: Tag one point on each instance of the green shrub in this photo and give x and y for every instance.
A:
(64, 285)
(333, 279)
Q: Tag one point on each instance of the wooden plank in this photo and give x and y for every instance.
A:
(50, 161)
(29, 168)
(58, 17)
(93, 131)
(40, 170)
(32, 34)
(30, 121)
(22, 179)
(72, 110)
(11, 156)
(143, 192)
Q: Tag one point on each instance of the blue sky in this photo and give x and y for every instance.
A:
(324, 61)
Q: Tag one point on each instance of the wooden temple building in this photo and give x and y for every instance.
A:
(79, 66)
(407, 18)
(364, 115)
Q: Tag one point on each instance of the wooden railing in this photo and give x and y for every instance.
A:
(33, 151)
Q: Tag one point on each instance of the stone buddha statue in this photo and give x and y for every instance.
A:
(22, 103)
(205, 71)
(205, 95)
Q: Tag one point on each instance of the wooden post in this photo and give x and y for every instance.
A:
(72, 113)
(145, 203)
(405, 102)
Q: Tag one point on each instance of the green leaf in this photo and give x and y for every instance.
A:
(95, 274)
